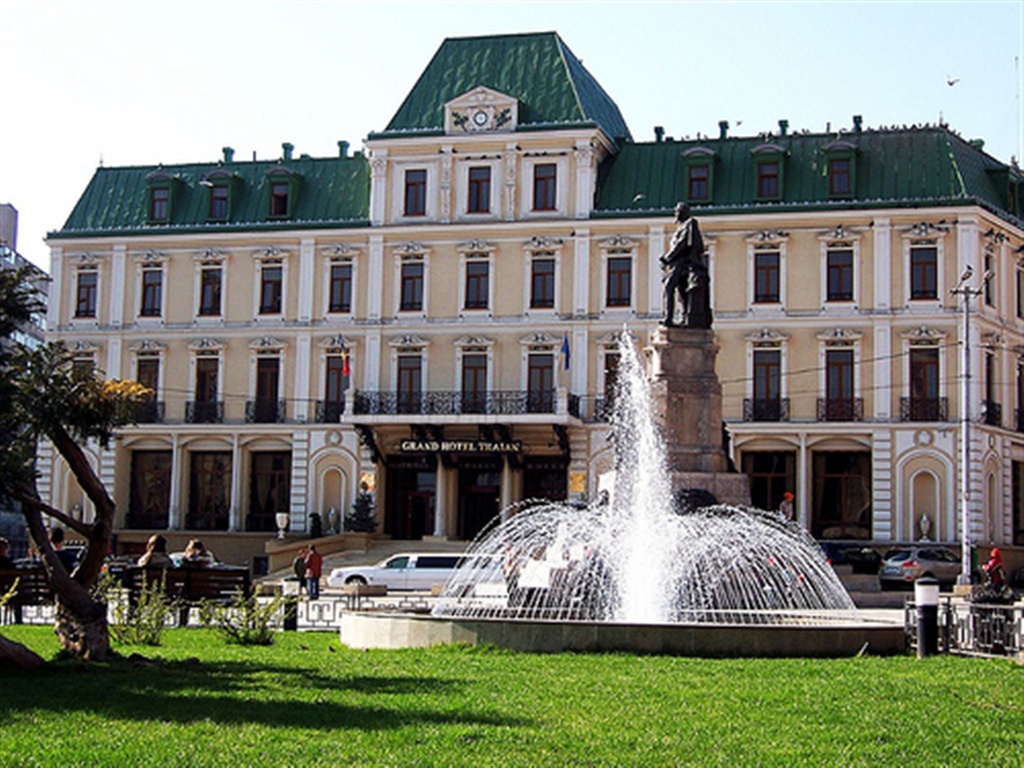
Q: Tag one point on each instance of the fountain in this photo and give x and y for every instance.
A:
(640, 570)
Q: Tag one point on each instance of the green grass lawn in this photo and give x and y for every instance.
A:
(308, 701)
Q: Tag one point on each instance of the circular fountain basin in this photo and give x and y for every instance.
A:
(820, 636)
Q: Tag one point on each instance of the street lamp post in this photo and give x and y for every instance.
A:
(968, 293)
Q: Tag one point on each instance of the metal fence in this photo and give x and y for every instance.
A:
(973, 629)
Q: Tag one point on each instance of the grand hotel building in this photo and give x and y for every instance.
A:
(435, 317)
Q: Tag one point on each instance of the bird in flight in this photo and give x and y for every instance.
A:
(951, 81)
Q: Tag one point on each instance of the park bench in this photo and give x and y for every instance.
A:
(189, 587)
(33, 589)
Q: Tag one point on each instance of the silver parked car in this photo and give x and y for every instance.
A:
(901, 567)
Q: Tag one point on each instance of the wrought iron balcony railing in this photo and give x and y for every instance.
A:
(329, 411)
(924, 409)
(992, 413)
(440, 403)
(149, 412)
(776, 409)
(841, 409)
(591, 408)
(265, 411)
(204, 411)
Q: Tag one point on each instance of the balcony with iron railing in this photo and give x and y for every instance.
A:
(329, 411)
(444, 403)
(265, 411)
(591, 408)
(840, 409)
(204, 411)
(772, 409)
(992, 413)
(149, 412)
(924, 409)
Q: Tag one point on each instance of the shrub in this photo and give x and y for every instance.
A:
(245, 620)
(144, 622)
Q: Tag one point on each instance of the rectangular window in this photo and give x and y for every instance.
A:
(924, 272)
(269, 489)
(206, 379)
(416, 192)
(479, 200)
(152, 289)
(771, 474)
(545, 178)
(147, 373)
(410, 383)
(924, 385)
(412, 287)
(149, 501)
(988, 286)
(209, 499)
(265, 409)
(477, 284)
(279, 199)
(839, 403)
(542, 283)
(474, 383)
(336, 383)
(840, 274)
(540, 386)
(159, 204)
(209, 291)
(271, 279)
(698, 182)
(341, 288)
(86, 289)
(767, 180)
(1020, 293)
(767, 375)
(219, 203)
(83, 366)
(766, 277)
(620, 280)
(841, 501)
(839, 177)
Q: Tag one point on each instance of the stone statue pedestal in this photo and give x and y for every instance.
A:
(686, 399)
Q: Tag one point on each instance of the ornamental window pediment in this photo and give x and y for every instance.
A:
(206, 345)
(924, 336)
(409, 342)
(540, 339)
(481, 110)
(267, 344)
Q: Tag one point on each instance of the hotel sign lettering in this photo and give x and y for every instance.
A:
(461, 446)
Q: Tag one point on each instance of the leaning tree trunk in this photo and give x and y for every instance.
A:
(84, 634)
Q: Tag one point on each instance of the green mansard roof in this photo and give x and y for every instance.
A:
(552, 85)
(328, 192)
(904, 167)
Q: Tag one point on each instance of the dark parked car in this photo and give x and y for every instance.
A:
(863, 559)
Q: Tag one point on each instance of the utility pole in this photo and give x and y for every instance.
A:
(967, 292)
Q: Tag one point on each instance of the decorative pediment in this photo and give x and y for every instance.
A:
(618, 241)
(147, 345)
(340, 251)
(411, 248)
(271, 253)
(337, 341)
(838, 232)
(150, 256)
(540, 339)
(474, 341)
(476, 246)
(926, 229)
(206, 345)
(768, 148)
(267, 344)
(481, 110)
(768, 336)
(840, 336)
(410, 341)
(840, 144)
(84, 347)
(700, 153)
(924, 335)
(543, 243)
(611, 339)
(85, 258)
(767, 237)
(210, 255)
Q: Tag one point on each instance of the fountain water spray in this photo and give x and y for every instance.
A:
(636, 558)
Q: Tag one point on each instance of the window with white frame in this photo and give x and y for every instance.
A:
(767, 275)
(840, 272)
(339, 281)
(477, 292)
(544, 185)
(151, 285)
(619, 278)
(87, 290)
(924, 270)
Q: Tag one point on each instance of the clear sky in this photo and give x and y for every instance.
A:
(137, 83)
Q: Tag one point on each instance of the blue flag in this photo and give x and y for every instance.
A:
(565, 349)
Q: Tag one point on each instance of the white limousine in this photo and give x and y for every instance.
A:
(402, 571)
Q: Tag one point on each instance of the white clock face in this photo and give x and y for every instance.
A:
(480, 118)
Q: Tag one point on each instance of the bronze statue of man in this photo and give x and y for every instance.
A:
(686, 279)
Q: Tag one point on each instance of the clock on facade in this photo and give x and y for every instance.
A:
(480, 118)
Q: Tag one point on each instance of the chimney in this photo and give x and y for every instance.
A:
(723, 129)
(857, 121)
(659, 133)
(287, 147)
(229, 154)
(783, 127)
(342, 149)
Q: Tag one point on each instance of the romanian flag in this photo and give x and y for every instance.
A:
(565, 349)
(345, 370)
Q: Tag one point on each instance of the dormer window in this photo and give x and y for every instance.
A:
(839, 177)
(279, 199)
(218, 202)
(698, 182)
(284, 187)
(768, 180)
(769, 159)
(159, 204)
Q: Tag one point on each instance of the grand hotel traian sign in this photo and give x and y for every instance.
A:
(461, 446)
